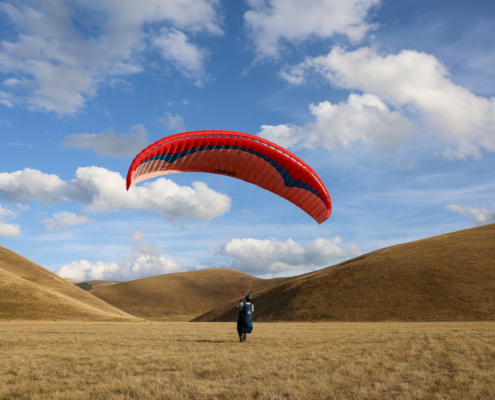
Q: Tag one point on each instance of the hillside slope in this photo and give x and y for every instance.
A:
(29, 291)
(177, 297)
(446, 277)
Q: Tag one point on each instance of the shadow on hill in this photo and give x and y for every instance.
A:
(84, 286)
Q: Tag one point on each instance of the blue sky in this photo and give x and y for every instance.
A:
(390, 102)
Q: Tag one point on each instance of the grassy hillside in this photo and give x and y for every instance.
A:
(29, 291)
(446, 277)
(177, 297)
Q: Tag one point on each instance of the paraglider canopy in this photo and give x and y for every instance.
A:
(238, 155)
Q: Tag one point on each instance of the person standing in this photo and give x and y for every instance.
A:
(245, 318)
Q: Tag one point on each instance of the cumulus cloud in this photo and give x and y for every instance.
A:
(146, 261)
(135, 266)
(5, 228)
(274, 256)
(273, 21)
(363, 118)
(174, 46)
(172, 122)
(415, 83)
(101, 190)
(84, 270)
(62, 220)
(109, 142)
(479, 216)
(66, 49)
(31, 184)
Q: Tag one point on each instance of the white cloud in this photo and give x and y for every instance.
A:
(145, 262)
(362, 118)
(274, 256)
(175, 47)
(6, 213)
(102, 191)
(273, 21)
(172, 122)
(136, 236)
(109, 142)
(84, 270)
(135, 266)
(7, 99)
(416, 83)
(479, 216)
(8, 229)
(31, 184)
(66, 49)
(62, 220)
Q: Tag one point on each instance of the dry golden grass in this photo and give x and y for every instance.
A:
(29, 291)
(156, 360)
(448, 277)
(179, 297)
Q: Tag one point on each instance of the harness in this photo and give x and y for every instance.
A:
(245, 319)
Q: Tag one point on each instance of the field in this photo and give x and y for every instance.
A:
(157, 360)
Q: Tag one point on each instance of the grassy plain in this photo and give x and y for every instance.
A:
(157, 360)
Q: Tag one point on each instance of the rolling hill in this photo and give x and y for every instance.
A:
(177, 297)
(446, 277)
(29, 291)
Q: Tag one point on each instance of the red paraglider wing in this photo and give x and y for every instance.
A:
(240, 156)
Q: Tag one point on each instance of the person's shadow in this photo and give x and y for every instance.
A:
(210, 341)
